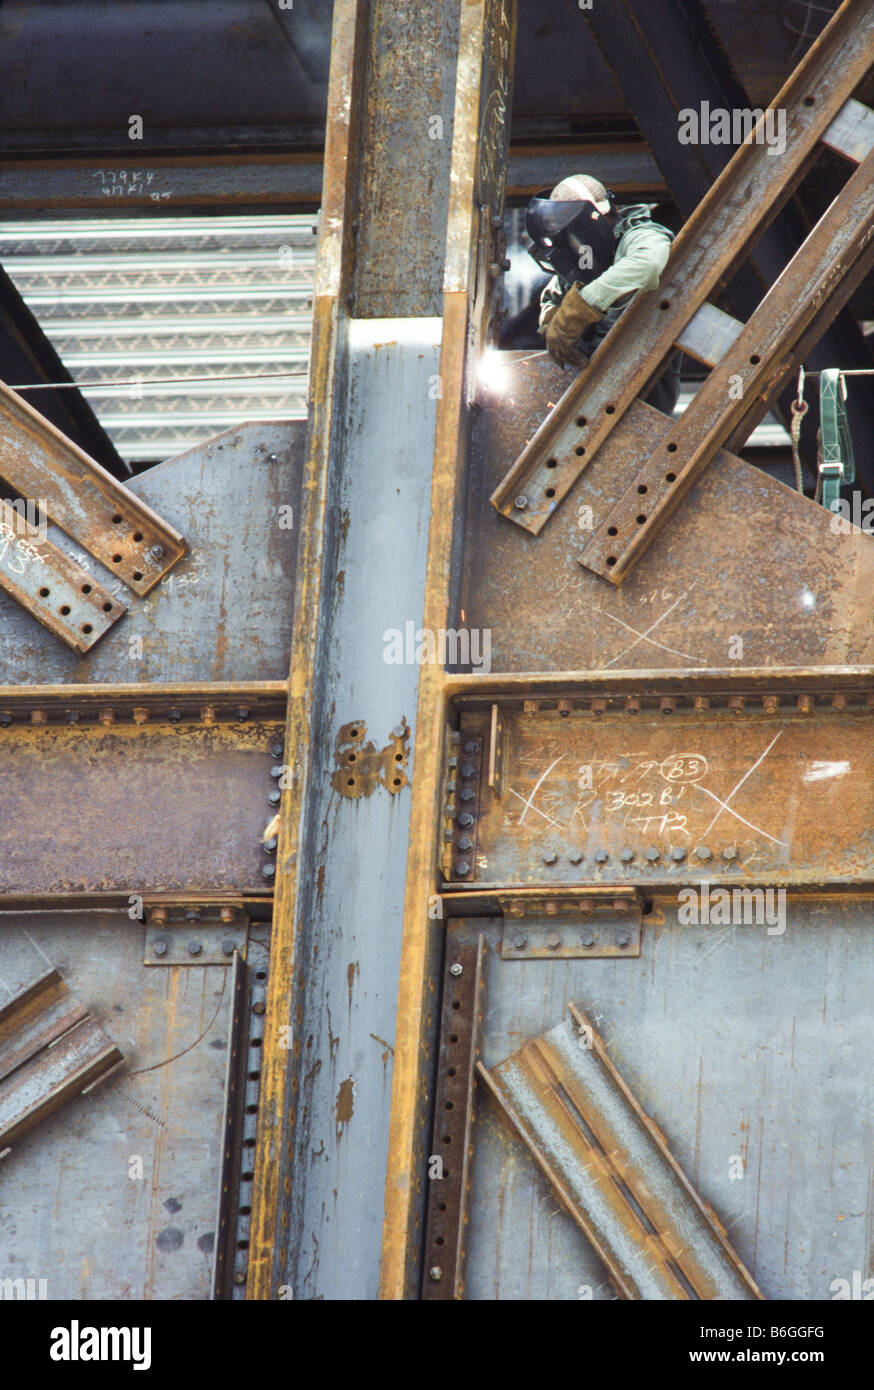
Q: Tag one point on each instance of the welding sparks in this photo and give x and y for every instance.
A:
(492, 372)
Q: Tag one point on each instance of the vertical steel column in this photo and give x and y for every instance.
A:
(320, 1164)
(480, 143)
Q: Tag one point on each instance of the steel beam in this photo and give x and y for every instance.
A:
(812, 284)
(742, 201)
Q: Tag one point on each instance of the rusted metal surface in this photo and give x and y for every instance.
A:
(647, 785)
(754, 364)
(69, 602)
(452, 1140)
(740, 203)
(50, 1050)
(742, 550)
(362, 767)
(612, 1169)
(83, 499)
(134, 807)
(226, 611)
(478, 161)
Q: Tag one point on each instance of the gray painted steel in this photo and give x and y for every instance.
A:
(381, 495)
(752, 1052)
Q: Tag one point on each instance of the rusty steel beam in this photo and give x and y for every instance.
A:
(740, 204)
(663, 781)
(610, 1167)
(445, 1255)
(752, 368)
(85, 501)
(160, 702)
(50, 1050)
(67, 601)
(486, 52)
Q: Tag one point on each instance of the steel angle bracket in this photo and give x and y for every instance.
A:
(40, 463)
(610, 1167)
(184, 933)
(707, 250)
(56, 591)
(50, 1050)
(837, 465)
(594, 923)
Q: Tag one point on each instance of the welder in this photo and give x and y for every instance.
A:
(600, 256)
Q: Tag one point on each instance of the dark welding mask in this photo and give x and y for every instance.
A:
(570, 239)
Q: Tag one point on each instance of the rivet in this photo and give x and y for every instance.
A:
(599, 705)
(107, 717)
(839, 700)
(622, 905)
(192, 915)
(769, 704)
(272, 458)
(276, 771)
(5, 718)
(564, 708)
(736, 703)
(160, 947)
(194, 948)
(207, 714)
(156, 552)
(241, 712)
(530, 706)
(805, 704)
(276, 750)
(270, 846)
(702, 702)
(141, 715)
(667, 704)
(158, 916)
(632, 704)
(259, 1008)
(38, 716)
(227, 914)
(435, 1273)
(553, 941)
(240, 1277)
(73, 716)
(521, 503)
(456, 969)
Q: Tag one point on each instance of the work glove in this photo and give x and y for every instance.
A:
(564, 324)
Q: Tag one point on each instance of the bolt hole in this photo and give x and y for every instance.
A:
(254, 1076)
(440, 1241)
(579, 451)
(245, 1211)
(641, 519)
(353, 733)
(670, 477)
(449, 1105)
(255, 1042)
(552, 463)
(352, 757)
(447, 1139)
(456, 1003)
(137, 576)
(611, 560)
(247, 1176)
(550, 492)
(350, 781)
(117, 518)
(672, 448)
(107, 607)
(453, 1037)
(260, 974)
(64, 609)
(116, 559)
(86, 628)
(396, 781)
(138, 535)
(441, 1206)
(755, 360)
(451, 1071)
(808, 101)
(44, 593)
(251, 1110)
(609, 410)
(399, 757)
(86, 588)
(643, 488)
(249, 1144)
(581, 422)
(665, 304)
(612, 530)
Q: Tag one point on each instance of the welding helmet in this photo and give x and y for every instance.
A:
(572, 234)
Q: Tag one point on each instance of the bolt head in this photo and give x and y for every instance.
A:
(228, 947)
(174, 715)
(553, 941)
(521, 503)
(627, 855)
(274, 797)
(276, 750)
(575, 857)
(160, 947)
(465, 819)
(678, 854)
(242, 712)
(270, 845)
(268, 871)
(623, 939)
(435, 1273)
(156, 552)
(192, 915)
(550, 856)
(601, 856)
(730, 853)
(467, 794)
(471, 746)
(455, 968)
(588, 938)
(703, 853)
(194, 948)
(276, 770)
(465, 843)
(462, 867)
(468, 770)
(520, 942)
(652, 854)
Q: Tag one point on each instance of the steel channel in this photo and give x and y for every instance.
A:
(452, 1136)
(42, 1083)
(745, 197)
(85, 501)
(35, 1018)
(616, 1178)
(756, 360)
(69, 602)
